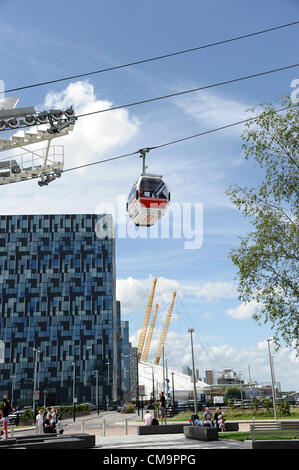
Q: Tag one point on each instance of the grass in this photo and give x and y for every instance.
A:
(236, 436)
(239, 415)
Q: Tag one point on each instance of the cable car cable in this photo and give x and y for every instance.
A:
(214, 85)
(142, 61)
(205, 87)
(175, 141)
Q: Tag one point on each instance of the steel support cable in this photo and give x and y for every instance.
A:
(227, 126)
(152, 59)
(179, 93)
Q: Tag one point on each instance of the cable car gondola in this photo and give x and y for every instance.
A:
(148, 199)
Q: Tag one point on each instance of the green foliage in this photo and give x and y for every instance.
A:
(267, 258)
(130, 408)
(232, 393)
(268, 404)
(27, 416)
(256, 404)
(284, 408)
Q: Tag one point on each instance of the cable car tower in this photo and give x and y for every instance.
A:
(45, 163)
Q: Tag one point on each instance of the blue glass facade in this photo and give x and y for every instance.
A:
(57, 294)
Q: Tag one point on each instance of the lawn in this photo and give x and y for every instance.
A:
(239, 415)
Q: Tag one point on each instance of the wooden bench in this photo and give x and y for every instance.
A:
(275, 429)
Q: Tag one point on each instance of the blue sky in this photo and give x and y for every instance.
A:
(46, 41)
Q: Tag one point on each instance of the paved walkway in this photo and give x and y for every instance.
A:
(170, 441)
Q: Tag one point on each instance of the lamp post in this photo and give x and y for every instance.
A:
(88, 348)
(74, 391)
(96, 372)
(108, 384)
(13, 377)
(272, 380)
(36, 351)
(172, 374)
(191, 330)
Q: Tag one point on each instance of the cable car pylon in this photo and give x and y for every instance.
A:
(150, 335)
(146, 321)
(165, 330)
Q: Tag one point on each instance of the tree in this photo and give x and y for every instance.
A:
(232, 393)
(267, 258)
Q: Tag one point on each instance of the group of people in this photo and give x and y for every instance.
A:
(149, 420)
(47, 421)
(218, 421)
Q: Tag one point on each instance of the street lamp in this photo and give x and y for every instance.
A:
(272, 380)
(13, 377)
(108, 384)
(96, 373)
(173, 406)
(74, 391)
(34, 381)
(191, 330)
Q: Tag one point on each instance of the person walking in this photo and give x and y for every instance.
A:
(162, 407)
(40, 422)
(6, 410)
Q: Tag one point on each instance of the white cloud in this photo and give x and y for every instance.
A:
(134, 293)
(214, 110)
(217, 290)
(243, 311)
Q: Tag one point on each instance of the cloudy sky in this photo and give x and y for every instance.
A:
(66, 39)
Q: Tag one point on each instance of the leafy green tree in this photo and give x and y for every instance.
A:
(267, 258)
(232, 393)
(268, 404)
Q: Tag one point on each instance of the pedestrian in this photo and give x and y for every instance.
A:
(47, 425)
(162, 407)
(48, 411)
(6, 410)
(148, 419)
(221, 422)
(208, 417)
(53, 419)
(216, 416)
(40, 422)
(59, 425)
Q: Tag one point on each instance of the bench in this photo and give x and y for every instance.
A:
(48, 441)
(272, 429)
(175, 428)
(201, 433)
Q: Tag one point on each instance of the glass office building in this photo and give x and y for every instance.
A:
(59, 320)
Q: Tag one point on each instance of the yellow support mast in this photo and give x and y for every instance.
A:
(146, 321)
(164, 331)
(150, 335)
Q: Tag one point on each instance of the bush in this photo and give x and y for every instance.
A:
(26, 416)
(284, 408)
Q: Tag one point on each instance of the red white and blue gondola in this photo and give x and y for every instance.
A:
(148, 200)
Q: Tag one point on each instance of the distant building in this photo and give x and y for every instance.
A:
(186, 370)
(133, 372)
(125, 360)
(228, 377)
(209, 377)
